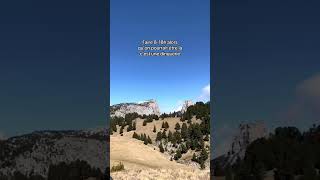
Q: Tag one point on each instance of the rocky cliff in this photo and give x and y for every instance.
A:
(35, 152)
(185, 105)
(247, 133)
(146, 107)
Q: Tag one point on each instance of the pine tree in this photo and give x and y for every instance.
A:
(184, 131)
(164, 136)
(149, 140)
(129, 128)
(166, 125)
(161, 148)
(174, 140)
(135, 135)
(183, 149)
(121, 130)
(189, 121)
(145, 137)
(162, 126)
(170, 136)
(154, 129)
(206, 138)
(134, 126)
(204, 155)
(177, 127)
(177, 135)
(194, 157)
(159, 136)
(182, 119)
(177, 155)
(115, 128)
(144, 123)
(202, 165)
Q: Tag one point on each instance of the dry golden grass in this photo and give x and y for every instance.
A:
(149, 127)
(135, 155)
(146, 161)
(162, 174)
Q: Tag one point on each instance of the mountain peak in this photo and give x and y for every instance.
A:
(142, 107)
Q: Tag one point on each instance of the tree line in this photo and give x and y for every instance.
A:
(287, 152)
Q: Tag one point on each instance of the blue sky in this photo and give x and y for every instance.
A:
(53, 65)
(266, 65)
(169, 80)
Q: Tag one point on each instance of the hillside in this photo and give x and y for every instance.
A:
(35, 153)
(149, 145)
(135, 155)
(286, 153)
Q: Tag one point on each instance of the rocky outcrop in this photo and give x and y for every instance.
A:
(35, 152)
(247, 133)
(145, 107)
(185, 105)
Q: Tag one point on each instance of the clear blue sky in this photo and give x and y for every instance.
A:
(266, 65)
(166, 79)
(52, 65)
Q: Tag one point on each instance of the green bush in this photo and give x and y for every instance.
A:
(118, 167)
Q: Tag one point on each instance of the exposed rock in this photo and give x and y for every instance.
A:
(146, 107)
(247, 133)
(185, 105)
(35, 152)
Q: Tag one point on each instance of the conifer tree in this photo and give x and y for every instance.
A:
(189, 121)
(135, 135)
(134, 126)
(177, 155)
(162, 126)
(166, 125)
(144, 123)
(159, 136)
(202, 165)
(164, 136)
(177, 127)
(121, 130)
(182, 119)
(177, 136)
(149, 140)
(154, 129)
(184, 131)
(183, 148)
(206, 138)
(129, 128)
(203, 155)
(194, 157)
(161, 148)
(170, 136)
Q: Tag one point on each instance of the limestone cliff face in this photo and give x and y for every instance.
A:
(145, 107)
(247, 133)
(185, 105)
